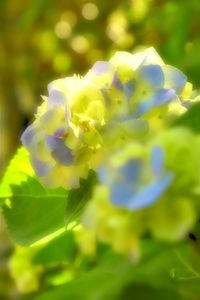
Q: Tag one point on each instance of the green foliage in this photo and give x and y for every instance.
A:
(141, 292)
(60, 249)
(165, 272)
(79, 197)
(34, 212)
(17, 172)
(31, 211)
(190, 119)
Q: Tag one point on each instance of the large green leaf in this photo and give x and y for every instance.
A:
(103, 282)
(17, 172)
(176, 267)
(60, 249)
(190, 119)
(32, 212)
(168, 272)
(79, 197)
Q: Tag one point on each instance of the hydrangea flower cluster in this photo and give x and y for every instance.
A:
(114, 100)
(114, 121)
(146, 188)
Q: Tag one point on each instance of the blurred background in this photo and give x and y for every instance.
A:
(42, 40)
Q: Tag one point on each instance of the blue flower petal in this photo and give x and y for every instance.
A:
(28, 136)
(41, 168)
(175, 78)
(163, 96)
(103, 175)
(106, 97)
(129, 88)
(117, 83)
(121, 194)
(153, 75)
(124, 195)
(56, 98)
(101, 67)
(131, 171)
(60, 152)
(157, 160)
(159, 98)
(60, 132)
(48, 116)
(150, 193)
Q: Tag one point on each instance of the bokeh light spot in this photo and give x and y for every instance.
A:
(117, 25)
(90, 11)
(63, 29)
(80, 44)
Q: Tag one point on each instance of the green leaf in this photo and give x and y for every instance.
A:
(17, 172)
(140, 292)
(60, 249)
(78, 198)
(103, 282)
(176, 267)
(165, 272)
(33, 212)
(190, 119)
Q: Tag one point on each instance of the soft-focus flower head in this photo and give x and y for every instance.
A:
(26, 274)
(139, 174)
(114, 103)
(114, 120)
(136, 179)
(109, 224)
(146, 188)
(138, 84)
(65, 133)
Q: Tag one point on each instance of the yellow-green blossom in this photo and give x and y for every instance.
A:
(141, 85)
(146, 188)
(109, 224)
(26, 275)
(83, 119)
(65, 134)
